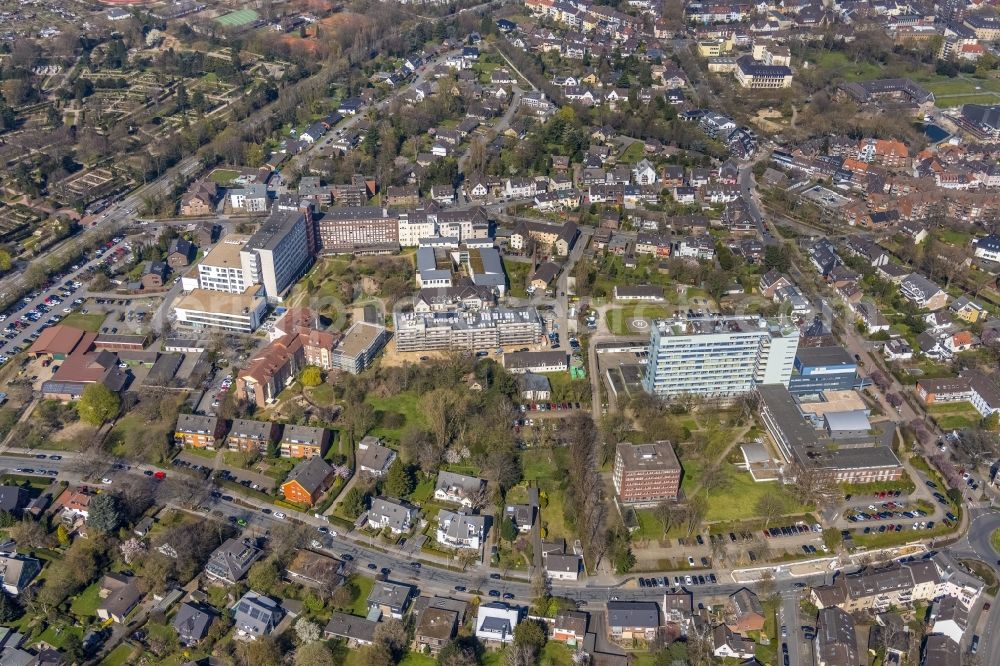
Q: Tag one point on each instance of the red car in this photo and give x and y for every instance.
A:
(159, 475)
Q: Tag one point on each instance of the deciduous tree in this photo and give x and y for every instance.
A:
(98, 404)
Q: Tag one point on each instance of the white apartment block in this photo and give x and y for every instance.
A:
(719, 357)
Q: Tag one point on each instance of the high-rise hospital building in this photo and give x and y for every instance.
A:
(719, 357)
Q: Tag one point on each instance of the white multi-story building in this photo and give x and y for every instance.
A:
(207, 309)
(221, 269)
(719, 357)
(278, 253)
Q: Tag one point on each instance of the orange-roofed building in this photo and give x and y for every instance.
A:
(58, 342)
(891, 153)
(857, 166)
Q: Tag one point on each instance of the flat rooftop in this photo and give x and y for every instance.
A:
(273, 229)
(720, 325)
(834, 401)
(226, 254)
(482, 319)
(359, 337)
(824, 356)
(207, 300)
(648, 457)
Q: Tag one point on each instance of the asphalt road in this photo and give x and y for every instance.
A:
(791, 621)
(978, 541)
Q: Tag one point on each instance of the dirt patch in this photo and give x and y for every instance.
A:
(73, 436)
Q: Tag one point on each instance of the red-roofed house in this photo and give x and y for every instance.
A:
(59, 341)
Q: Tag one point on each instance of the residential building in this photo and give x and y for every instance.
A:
(200, 199)
(646, 474)
(357, 631)
(744, 612)
(940, 650)
(119, 594)
(249, 199)
(633, 620)
(558, 239)
(922, 292)
(230, 562)
(13, 499)
(967, 309)
(271, 370)
(199, 432)
(880, 588)
(488, 328)
(359, 346)
(562, 567)
(570, 627)
(950, 618)
(772, 281)
(981, 121)
(395, 515)
(460, 530)
(434, 629)
(459, 489)
(314, 570)
(256, 615)
(251, 436)
(496, 621)
(372, 457)
(180, 253)
(307, 481)
(836, 643)
(729, 644)
(522, 515)
(538, 361)
(534, 387)
(988, 248)
(390, 599)
(17, 572)
(299, 441)
(191, 623)
(719, 357)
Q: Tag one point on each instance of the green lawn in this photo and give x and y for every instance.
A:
(736, 498)
(843, 67)
(544, 468)
(208, 454)
(942, 101)
(85, 603)
(364, 585)
(635, 152)
(55, 637)
(406, 404)
(953, 237)
(423, 491)
(87, 322)
(517, 275)
(119, 656)
(995, 540)
(417, 659)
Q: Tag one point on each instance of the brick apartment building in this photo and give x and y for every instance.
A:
(646, 474)
(358, 230)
